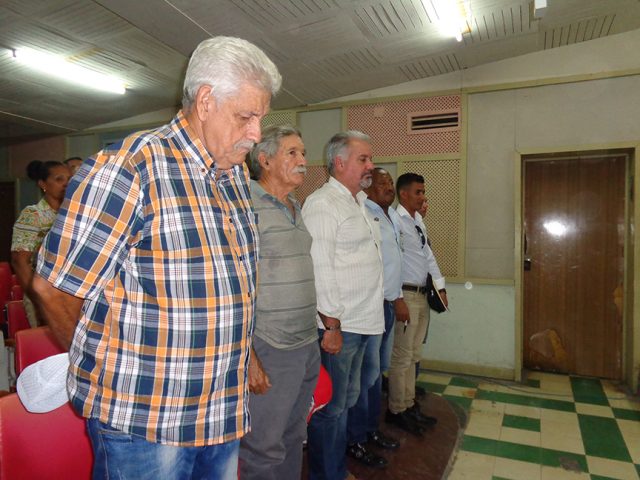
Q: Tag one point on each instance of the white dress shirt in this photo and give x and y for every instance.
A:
(417, 258)
(347, 258)
(391, 253)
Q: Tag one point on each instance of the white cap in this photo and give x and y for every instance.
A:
(42, 386)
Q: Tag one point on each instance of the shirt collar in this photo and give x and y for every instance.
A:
(257, 189)
(400, 210)
(181, 126)
(360, 198)
(374, 206)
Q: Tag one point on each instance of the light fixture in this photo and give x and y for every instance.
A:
(453, 17)
(59, 67)
(539, 8)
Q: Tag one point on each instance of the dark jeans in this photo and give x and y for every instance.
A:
(327, 432)
(364, 416)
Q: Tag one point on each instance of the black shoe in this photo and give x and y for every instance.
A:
(423, 420)
(379, 439)
(420, 392)
(366, 457)
(404, 421)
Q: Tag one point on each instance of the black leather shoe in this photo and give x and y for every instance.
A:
(423, 420)
(404, 421)
(381, 440)
(366, 457)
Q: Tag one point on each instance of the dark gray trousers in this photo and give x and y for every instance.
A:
(273, 448)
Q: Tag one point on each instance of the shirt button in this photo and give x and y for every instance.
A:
(231, 219)
(203, 170)
(241, 257)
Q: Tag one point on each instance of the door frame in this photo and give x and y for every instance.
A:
(631, 310)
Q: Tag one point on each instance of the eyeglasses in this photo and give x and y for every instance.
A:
(423, 240)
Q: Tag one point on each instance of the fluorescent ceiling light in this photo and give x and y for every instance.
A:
(452, 16)
(61, 68)
(539, 8)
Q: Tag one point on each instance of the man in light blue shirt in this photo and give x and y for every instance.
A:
(364, 416)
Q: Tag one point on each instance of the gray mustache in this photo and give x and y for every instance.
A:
(248, 144)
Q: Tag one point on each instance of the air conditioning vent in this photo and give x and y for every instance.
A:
(440, 121)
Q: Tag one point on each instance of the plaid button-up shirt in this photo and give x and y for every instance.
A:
(163, 248)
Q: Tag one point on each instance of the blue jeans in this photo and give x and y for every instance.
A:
(386, 346)
(357, 421)
(364, 417)
(327, 432)
(375, 392)
(121, 456)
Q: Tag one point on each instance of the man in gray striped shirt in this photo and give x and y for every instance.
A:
(285, 357)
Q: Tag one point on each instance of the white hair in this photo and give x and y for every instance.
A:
(339, 143)
(225, 64)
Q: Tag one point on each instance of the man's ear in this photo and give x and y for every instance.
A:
(204, 101)
(262, 159)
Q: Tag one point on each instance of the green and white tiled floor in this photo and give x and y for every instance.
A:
(556, 427)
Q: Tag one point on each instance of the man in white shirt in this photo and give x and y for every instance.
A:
(417, 262)
(347, 262)
(363, 425)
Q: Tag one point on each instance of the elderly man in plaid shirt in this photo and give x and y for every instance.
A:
(149, 275)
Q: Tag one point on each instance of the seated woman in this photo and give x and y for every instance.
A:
(34, 222)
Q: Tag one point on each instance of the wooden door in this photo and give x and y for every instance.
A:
(7, 218)
(574, 258)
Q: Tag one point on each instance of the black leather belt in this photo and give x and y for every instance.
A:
(414, 288)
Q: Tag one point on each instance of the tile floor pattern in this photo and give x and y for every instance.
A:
(554, 427)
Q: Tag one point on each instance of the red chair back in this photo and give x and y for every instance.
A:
(322, 394)
(16, 317)
(33, 345)
(16, 292)
(41, 446)
(6, 281)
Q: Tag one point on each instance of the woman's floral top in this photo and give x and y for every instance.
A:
(31, 227)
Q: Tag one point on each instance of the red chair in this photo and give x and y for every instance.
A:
(16, 318)
(33, 345)
(42, 446)
(6, 282)
(16, 292)
(322, 394)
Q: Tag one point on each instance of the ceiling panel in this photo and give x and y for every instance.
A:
(349, 62)
(279, 13)
(323, 48)
(500, 22)
(90, 22)
(579, 31)
(431, 66)
(33, 7)
(320, 38)
(145, 50)
(392, 17)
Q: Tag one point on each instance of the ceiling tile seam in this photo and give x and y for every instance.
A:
(404, 27)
